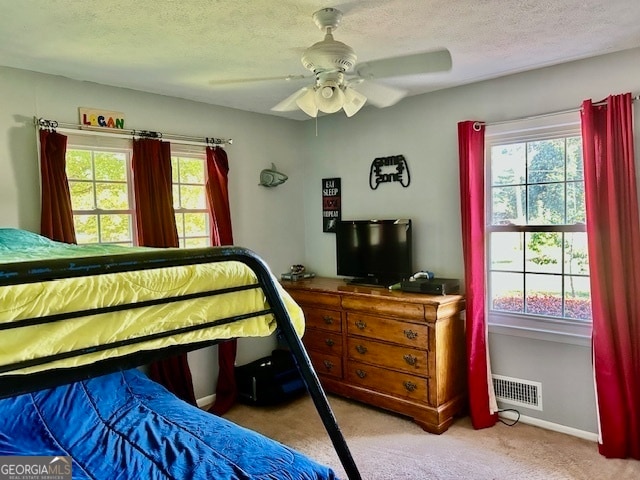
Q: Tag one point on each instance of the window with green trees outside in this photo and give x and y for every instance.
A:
(537, 241)
(102, 196)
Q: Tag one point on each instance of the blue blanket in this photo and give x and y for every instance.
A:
(124, 426)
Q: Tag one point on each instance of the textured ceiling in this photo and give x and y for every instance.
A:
(179, 48)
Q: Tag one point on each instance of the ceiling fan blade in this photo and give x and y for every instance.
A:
(378, 94)
(289, 104)
(231, 81)
(418, 63)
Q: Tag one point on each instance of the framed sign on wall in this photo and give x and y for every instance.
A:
(389, 169)
(331, 207)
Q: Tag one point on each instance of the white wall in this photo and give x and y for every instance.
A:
(424, 130)
(262, 218)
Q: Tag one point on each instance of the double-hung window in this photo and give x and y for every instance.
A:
(99, 175)
(100, 182)
(537, 264)
(190, 200)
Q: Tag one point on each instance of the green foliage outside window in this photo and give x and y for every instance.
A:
(538, 257)
(189, 201)
(99, 184)
(100, 197)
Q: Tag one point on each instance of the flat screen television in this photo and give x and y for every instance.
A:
(374, 252)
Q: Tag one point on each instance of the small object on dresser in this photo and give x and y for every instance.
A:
(432, 286)
(296, 276)
(422, 274)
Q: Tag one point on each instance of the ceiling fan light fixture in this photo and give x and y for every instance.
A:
(329, 97)
(307, 103)
(353, 101)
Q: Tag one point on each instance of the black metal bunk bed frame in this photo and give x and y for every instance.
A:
(60, 268)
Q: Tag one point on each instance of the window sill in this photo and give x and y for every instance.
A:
(538, 328)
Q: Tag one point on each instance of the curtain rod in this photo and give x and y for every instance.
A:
(43, 123)
(548, 114)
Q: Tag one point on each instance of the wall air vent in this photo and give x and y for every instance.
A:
(516, 391)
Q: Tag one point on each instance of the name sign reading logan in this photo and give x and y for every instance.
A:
(93, 117)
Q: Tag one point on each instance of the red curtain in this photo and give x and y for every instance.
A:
(218, 196)
(153, 189)
(472, 203)
(56, 221)
(614, 260)
(156, 223)
(221, 234)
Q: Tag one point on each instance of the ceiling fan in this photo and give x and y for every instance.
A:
(341, 83)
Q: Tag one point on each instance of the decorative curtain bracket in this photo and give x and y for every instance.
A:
(218, 141)
(146, 134)
(45, 124)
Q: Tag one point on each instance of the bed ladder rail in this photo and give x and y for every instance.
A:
(303, 362)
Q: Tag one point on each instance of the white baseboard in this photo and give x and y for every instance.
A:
(206, 401)
(536, 422)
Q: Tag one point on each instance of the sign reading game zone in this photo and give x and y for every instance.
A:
(389, 169)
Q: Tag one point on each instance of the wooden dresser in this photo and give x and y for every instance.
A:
(403, 352)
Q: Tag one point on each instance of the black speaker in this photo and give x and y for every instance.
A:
(432, 286)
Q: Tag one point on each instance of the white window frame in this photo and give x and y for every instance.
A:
(184, 151)
(521, 324)
(105, 144)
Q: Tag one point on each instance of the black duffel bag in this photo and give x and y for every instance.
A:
(269, 380)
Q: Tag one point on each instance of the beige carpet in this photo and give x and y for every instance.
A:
(386, 446)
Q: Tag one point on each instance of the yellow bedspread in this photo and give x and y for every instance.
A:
(73, 294)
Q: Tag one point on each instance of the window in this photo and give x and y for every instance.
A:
(100, 183)
(538, 270)
(189, 201)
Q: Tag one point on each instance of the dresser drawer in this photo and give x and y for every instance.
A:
(384, 306)
(326, 364)
(388, 381)
(323, 341)
(309, 297)
(393, 331)
(324, 319)
(405, 359)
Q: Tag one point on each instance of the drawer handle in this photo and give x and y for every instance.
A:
(410, 334)
(329, 342)
(328, 319)
(361, 325)
(361, 373)
(410, 359)
(328, 365)
(410, 386)
(361, 349)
